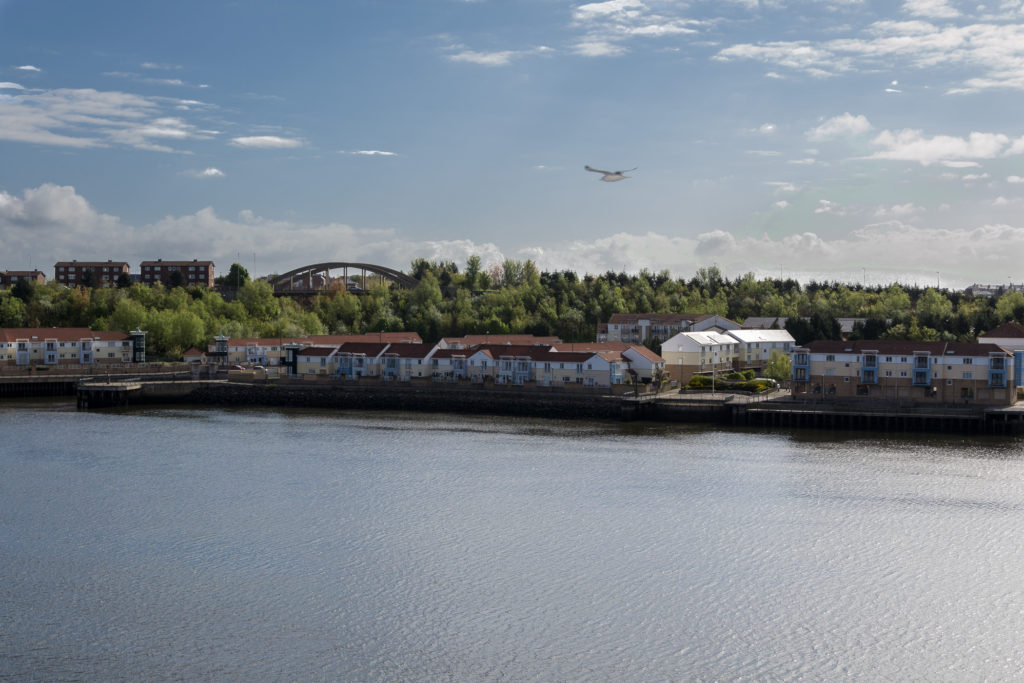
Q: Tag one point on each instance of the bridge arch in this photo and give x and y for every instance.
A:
(338, 276)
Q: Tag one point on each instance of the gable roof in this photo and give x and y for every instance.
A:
(1010, 330)
(408, 350)
(512, 339)
(904, 347)
(362, 348)
(11, 334)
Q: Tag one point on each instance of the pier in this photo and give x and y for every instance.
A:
(93, 393)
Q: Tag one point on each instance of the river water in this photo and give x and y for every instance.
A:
(208, 544)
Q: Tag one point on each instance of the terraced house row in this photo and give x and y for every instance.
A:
(922, 372)
(69, 347)
(591, 365)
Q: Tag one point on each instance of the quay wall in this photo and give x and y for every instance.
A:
(381, 397)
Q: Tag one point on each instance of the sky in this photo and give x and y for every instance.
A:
(845, 140)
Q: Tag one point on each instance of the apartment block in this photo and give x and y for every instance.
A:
(194, 272)
(68, 346)
(10, 277)
(922, 372)
(73, 273)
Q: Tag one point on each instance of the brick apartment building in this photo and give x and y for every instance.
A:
(9, 277)
(194, 272)
(71, 273)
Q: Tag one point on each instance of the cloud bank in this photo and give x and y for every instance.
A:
(34, 223)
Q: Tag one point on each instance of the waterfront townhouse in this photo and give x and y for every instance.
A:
(640, 362)
(271, 351)
(453, 364)
(756, 346)
(691, 353)
(587, 368)
(104, 273)
(642, 328)
(403, 361)
(925, 372)
(316, 360)
(194, 272)
(69, 347)
(1009, 336)
(359, 359)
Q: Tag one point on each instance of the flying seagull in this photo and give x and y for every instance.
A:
(611, 176)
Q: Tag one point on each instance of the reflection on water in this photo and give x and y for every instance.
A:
(297, 544)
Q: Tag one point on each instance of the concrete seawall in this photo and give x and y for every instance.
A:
(391, 397)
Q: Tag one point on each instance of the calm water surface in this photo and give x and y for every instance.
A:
(226, 545)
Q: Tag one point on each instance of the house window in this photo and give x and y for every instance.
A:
(968, 361)
(968, 375)
(830, 358)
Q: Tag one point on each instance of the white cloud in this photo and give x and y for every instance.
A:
(598, 48)
(497, 58)
(207, 173)
(961, 164)
(825, 206)
(1015, 179)
(912, 145)
(266, 142)
(621, 8)
(899, 210)
(844, 125)
(767, 128)
(501, 58)
(90, 118)
(28, 67)
(781, 204)
(160, 66)
(993, 52)
(7, 85)
(370, 153)
(781, 185)
(936, 9)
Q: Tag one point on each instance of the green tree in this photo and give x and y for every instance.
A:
(237, 276)
(258, 300)
(23, 289)
(124, 280)
(88, 278)
(13, 312)
(176, 279)
(778, 366)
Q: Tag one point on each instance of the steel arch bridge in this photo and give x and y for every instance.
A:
(337, 276)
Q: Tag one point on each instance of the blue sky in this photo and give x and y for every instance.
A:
(851, 140)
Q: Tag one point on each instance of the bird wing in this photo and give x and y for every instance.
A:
(596, 170)
(627, 170)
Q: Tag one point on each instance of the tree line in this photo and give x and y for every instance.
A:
(509, 297)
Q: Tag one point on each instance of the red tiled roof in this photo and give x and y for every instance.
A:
(10, 334)
(514, 339)
(626, 318)
(1010, 330)
(362, 348)
(314, 351)
(409, 350)
(903, 347)
(335, 339)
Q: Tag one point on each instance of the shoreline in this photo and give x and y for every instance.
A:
(767, 413)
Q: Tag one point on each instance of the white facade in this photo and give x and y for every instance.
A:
(756, 346)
